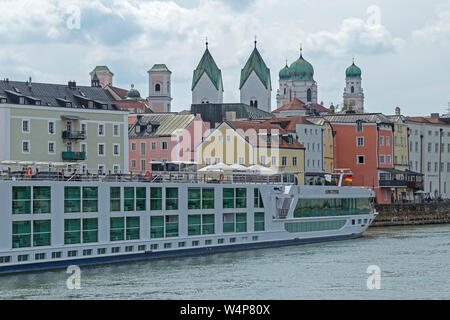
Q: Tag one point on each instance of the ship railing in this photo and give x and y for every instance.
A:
(154, 177)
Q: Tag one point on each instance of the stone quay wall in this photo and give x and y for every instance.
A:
(412, 214)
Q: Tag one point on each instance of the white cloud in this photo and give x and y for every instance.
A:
(438, 30)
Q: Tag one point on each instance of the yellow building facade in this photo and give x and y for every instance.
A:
(248, 143)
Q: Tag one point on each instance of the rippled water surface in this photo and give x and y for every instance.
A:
(414, 264)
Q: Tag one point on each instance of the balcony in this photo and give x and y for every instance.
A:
(73, 155)
(416, 185)
(393, 183)
(74, 135)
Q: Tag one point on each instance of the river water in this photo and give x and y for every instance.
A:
(414, 263)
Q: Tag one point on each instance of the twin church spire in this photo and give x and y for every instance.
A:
(255, 83)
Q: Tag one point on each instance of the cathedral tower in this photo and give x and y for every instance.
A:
(353, 92)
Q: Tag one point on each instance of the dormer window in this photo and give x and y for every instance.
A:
(21, 100)
(90, 104)
(138, 129)
(68, 104)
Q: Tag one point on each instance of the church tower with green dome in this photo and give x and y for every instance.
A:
(353, 92)
(297, 81)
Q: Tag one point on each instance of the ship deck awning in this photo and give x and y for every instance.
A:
(392, 170)
(70, 117)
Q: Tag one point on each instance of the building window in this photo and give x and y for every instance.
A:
(153, 145)
(164, 145)
(101, 149)
(294, 161)
(308, 95)
(429, 146)
(157, 87)
(359, 126)
(133, 163)
(436, 147)
(116, 131)
(274, 161)
(116, 149)
(51, 147)
(389, 159)
(352, 89)
(142, 165)
(283, 161)
(382, 159)
(25, 126)
(133, 146)
(116, 168)
(83, 147)
(360, 141)
(26, 146)
(360, 159)
(101, 129)
(142, 148)
(381, 140)
(262, 160)
(51, 127)
(241, 160)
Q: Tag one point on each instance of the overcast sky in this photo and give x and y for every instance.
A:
(402, 47)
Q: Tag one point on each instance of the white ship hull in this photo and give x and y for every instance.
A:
(280, 222)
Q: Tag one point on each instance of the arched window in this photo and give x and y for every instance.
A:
(352, 89)
(284, 90)
(254, 103)
(157, 87)
(308, 95)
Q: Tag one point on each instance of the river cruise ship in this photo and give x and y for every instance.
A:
(52, 220)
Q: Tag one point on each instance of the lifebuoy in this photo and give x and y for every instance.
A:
(148, 175)
(29, 172)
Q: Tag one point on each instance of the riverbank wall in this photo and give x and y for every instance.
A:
(412, 214)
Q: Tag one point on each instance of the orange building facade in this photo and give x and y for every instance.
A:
(363, 143)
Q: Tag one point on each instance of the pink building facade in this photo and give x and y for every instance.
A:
(164, 137)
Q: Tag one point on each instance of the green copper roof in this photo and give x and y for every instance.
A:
(301, 70)
(160, 68)
(102, 69)
(95, 78)
(208, 65)
(284, 73)
(256, 63)
(353, 72)
(133, 94)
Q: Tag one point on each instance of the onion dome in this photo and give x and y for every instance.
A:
(301, 70)
(353, 72)
(133, 93)
(284, 73)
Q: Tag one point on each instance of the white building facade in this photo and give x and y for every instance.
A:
(311, 137)
(429, 154)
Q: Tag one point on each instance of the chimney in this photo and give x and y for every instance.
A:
(397, 111)
(72, 84)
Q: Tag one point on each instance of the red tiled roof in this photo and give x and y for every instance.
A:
(295, 104)
(260, 128)
(318, 107)
(426, 120)
(289, 123)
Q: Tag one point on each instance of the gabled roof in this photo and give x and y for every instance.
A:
(256, 63)
(295, 104)
(207, 65)
(262, 128)
(53, 95)
(159, 68)
(167, 123)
